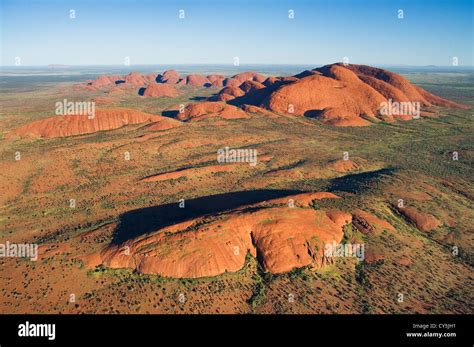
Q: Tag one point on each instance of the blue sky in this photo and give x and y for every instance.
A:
(258, 32)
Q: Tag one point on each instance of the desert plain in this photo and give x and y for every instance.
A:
(133, 212)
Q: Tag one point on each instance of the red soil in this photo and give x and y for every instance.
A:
(404, 261)
(411, 195)
(207, 109)
(231, 82)
(192, 172)
(372, 256)
(304, 200)
(151, 77)
(103, 100)
(338, 98)
(278, 81)
(284, 238)
(229, 93)
(397, 87)
(160, 90)
(423, 221)
(341, 95)
(216, 80)
(169, 76)
(136, 79)
(106, 119)
(103, 81)
(250, 86)
(197, 81)
(343, 165)
(256, 109)
(164, 123)
(249, 76)
(368, 223)
(50, 250)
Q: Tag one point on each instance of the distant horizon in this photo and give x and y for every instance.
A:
(231, 65)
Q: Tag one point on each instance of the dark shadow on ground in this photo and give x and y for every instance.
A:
(145, 220)
(313, 113)
(362, 182)
(170, 113)
(198, 98)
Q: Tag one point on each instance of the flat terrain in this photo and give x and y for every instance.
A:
(406, 270)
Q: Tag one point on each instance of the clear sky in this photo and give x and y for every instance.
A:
(258, 32)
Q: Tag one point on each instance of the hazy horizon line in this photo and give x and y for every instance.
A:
(230, 65)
